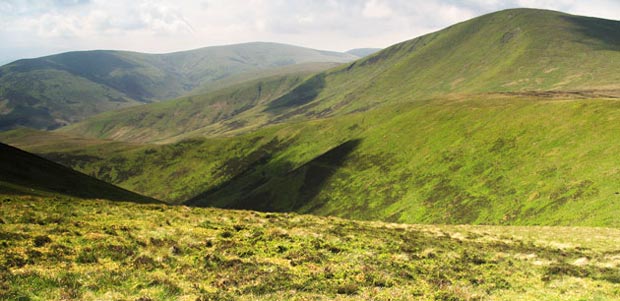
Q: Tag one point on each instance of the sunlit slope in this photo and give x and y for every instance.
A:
(494, 159)
(23, 173)
(508, 51)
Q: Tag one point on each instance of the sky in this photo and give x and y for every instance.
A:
(32, 28)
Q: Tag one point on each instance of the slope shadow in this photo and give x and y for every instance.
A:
(606, 32)
(36, 175)
(278, 187)
(300, 95)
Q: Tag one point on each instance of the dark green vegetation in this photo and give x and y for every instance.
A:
(71, 249)
(57, 90)
(27, 174)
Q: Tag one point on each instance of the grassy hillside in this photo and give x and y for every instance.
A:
(225, 110)
(58, 249)
(517, 51)
(26, 174)
(57, 90)
(509, 51)
(497, 159)
(392, 141)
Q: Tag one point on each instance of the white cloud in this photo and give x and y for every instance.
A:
(37, 27)
(377, 9)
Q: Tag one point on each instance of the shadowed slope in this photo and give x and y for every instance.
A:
(24, 173)
(260, 185)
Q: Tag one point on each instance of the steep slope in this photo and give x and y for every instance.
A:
(27, 174)
(56, 90)
(516, 51)
(498, 159)
(509, 51)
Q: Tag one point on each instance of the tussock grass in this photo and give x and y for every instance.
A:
(123, 251)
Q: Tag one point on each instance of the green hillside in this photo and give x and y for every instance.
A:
(23, 173)
(393, 137)
(494, 160)
(509, 51)
(226, 110)
(517, 50)
(57, 248)
(57, 90)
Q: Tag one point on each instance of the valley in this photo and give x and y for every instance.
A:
(477, 162)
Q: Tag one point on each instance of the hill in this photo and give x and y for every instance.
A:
(237, 106)
(512, 51)
(367, 141)
(488, 160)
(26, 174)
(362, 52)
(57, 248)
(57, 90)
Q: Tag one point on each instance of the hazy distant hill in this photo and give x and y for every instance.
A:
(56, 90)
(238, 106)
(362, 52)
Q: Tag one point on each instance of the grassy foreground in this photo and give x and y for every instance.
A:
(62, 249)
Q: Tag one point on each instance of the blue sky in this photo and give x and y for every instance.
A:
(30, 28)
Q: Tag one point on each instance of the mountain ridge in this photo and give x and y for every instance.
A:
(60, 89)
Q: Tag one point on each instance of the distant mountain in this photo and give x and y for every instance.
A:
(57, 90)
(362, 52)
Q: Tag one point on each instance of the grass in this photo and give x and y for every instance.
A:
(72, 249)
(488, 159)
